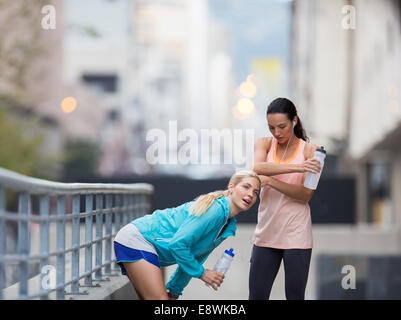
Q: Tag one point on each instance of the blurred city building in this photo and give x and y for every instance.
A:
(210, 65)
(198, 65)
(346, 59)
(96, 50)
(257, 41)
(68, 109)
(346, 80)
(150, 66)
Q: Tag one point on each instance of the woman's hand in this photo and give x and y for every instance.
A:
(213, 278)
(310, 165)
(265, 181)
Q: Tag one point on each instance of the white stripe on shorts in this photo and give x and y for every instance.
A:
(131, 237)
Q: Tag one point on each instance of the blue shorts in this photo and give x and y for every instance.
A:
(126, 254)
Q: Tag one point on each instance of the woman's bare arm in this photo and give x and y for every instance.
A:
(297, 192)
(261, 167)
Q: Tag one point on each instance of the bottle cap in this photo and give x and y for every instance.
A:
(321, 149)
(230, 252)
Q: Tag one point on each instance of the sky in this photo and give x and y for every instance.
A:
(109, 18)
(260, 28)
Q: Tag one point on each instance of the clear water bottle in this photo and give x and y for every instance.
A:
(312, 179)
(223, 264)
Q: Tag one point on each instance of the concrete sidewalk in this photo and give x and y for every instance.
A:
(235, 285)
(339, 239)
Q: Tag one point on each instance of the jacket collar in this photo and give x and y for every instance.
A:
(231, 228)
(226, 205)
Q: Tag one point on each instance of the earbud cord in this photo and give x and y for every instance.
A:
(286, 147)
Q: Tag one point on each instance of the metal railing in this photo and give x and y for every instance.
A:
(110, 205)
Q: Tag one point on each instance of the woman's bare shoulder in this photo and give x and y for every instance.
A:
(264, 142)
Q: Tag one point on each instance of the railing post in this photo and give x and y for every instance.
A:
(129, 210)
(109, 216)
(99, 236)
(60, 279)
(141, 200)
(2, 241)
(135, 201)
(146, 204)
(118, 213)
(141, 208)
(23, 242)
(88, 238)
(117, 218)
(76, 208)
(126, 210)
(137, 209)
(44, 209)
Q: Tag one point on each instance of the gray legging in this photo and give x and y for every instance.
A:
(265, 263)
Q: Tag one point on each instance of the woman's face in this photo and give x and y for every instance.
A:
(280, 126)
(245, 193)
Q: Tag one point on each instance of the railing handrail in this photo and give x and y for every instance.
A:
(38, 186)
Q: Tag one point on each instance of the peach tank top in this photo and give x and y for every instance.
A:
(283, 222)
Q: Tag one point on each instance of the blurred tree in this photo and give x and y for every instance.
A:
(19, 148)
(20, 46)
(81, 160)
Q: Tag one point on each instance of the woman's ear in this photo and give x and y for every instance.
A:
(294, 121)
(230, 188)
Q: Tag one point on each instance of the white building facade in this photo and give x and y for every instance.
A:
(347, 80)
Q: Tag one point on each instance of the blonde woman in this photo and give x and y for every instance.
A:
(184, 235)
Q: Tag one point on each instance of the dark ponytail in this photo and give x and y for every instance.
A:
(283, 105)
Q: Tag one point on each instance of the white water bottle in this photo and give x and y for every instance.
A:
(312, 179)
(223, 264)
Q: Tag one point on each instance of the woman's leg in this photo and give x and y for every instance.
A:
(147, 280)
(296, 267)
(265, 263)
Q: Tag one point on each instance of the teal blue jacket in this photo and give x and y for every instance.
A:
(185, 239)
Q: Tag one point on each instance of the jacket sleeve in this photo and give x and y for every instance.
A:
(190, 232)
(180, 279)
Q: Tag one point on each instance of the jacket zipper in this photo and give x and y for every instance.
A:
(214, 242)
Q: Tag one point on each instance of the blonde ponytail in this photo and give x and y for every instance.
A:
(203, 202)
